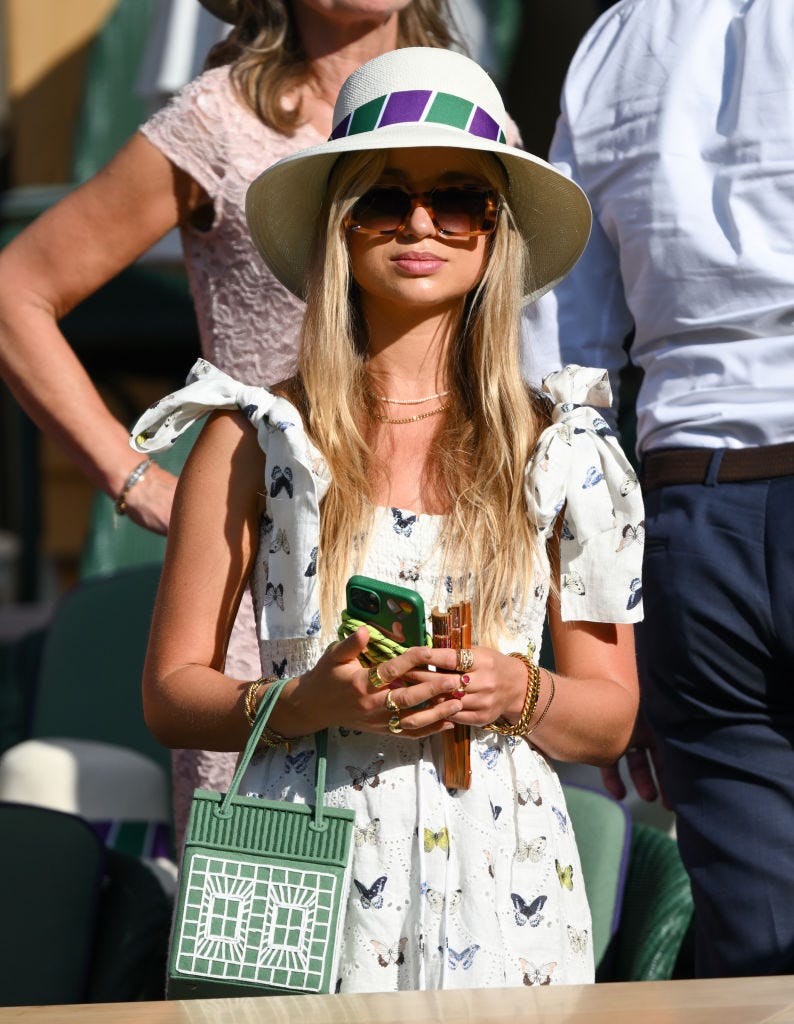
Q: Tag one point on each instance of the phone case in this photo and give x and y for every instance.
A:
(399, 613)
(453, 629)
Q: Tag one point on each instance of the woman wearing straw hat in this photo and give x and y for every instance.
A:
(407, 447)
(269, 92)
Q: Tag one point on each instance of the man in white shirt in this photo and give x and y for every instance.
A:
(678, 121)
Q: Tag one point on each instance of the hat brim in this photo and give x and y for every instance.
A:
(551, 211)
(226, 10)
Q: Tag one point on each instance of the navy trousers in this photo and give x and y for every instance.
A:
(716, 658)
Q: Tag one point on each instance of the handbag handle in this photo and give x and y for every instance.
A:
(268, 702)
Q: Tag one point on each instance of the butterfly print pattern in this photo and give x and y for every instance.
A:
(534, 975)
(437, 901)
(311, 568)
(279, 543)
(274, 594)
(367, 834)
(464, 959)
(577, 939)
(390, 955)
(403, 522)
(368, 776)
(372, 896)
(564, 875)
(490, 756)
(297, 762)
(281, 480)
(528, 913)
(635, 593)
(532, 850)
(266, 525)
(631, 535)
(573, 582)
(436, 840)
(529, 794)
(409, 573)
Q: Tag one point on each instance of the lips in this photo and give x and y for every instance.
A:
(418, 262)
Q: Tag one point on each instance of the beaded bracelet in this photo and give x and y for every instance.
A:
(521, 727)
(120, 504)
(270, 738)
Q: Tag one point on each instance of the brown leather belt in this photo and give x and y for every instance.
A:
(670, 466)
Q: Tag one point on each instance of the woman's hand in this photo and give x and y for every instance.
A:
(644, 765)
(495, 685)
(148, 503)
(338, 692)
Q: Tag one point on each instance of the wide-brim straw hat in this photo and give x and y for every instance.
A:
(226, 10)
(418, 97)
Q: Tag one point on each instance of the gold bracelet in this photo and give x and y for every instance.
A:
(521, 727)
(548, 702)
(249, 704)
(269, 737)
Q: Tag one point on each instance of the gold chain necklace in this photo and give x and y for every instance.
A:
(411, 419)
(409, 401)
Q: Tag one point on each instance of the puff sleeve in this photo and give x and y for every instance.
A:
(295, 480)
(579, 466)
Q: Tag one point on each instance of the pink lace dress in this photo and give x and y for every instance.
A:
(248, 322)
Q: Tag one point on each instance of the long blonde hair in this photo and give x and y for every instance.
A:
(268, 61)
(477, 462)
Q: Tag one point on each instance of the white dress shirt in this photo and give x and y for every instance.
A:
(678, 121)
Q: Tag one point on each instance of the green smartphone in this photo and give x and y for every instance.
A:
(399, 613)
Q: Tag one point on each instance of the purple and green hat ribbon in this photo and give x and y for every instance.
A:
(415, 106)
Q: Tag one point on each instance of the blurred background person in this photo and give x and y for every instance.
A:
(678, 121)
(269, 89)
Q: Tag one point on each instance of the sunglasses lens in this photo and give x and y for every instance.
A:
(460, 211)
(381, 209)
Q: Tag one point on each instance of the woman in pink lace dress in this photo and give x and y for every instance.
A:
(271, 92)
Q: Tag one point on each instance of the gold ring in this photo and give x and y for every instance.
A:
(394, 724)
(390, 704)
(375, 678)
(465, 660)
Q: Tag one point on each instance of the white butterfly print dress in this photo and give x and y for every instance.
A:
(449, 889)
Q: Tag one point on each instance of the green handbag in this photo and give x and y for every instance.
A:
(262, 889)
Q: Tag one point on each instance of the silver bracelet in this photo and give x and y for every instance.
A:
(120, 504)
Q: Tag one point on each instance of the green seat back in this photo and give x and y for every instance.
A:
(89, 684)
(50, 874)
(603, 832)
(657, 911)
(111, 108)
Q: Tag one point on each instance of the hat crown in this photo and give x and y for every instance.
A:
(402, 85)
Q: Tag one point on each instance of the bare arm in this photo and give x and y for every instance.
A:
(186, 698)
(64, 256)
